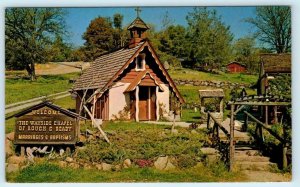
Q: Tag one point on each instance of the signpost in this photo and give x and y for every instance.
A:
(46, 124)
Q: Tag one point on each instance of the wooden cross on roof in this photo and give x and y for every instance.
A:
(138, 10)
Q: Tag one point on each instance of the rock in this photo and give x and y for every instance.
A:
(161, 163)
(82, 138)
(194, 132)
(98, 166)
(87, 166)
(74, 165)
(12, 168)
(10, 136)
(62, 164)
(16, 160)
(127, 163)
(106, 167)
(169, 166)
(8, 148)
(208, 151)
(117, 167)
(69, 159)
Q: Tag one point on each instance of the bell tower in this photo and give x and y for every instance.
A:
(137, 30)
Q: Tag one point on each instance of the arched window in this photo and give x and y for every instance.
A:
(140, 62)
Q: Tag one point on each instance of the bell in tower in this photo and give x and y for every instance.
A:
(137, 30)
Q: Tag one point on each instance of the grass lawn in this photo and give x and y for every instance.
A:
(189, 74)
(201, 173)
(20, 89)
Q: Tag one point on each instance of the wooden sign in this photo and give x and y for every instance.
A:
(46, 124)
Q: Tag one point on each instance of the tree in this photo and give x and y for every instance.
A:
(274, 27)
(245, 52)
(28, 34)
(59, 51)
(103, 35)
(209, 39)
(98, 37)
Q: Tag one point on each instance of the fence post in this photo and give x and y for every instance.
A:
(208, 118)
(245, 126)
(284, 148)
(231, 148)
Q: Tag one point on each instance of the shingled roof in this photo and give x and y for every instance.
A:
(104, 68)
(138, 23)
(276, 63)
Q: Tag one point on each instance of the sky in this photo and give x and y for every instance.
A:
(78, 19)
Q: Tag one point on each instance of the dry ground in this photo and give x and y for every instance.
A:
(55, 68)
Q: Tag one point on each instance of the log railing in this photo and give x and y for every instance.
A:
(259, 133)
(216, 127)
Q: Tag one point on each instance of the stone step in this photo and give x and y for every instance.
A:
(254, 166)
(245, 157)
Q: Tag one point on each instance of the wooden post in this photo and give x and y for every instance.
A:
(275, 115)
(208, 121)
(137, 104)
(22, 151)
(246, 121)
(266, 115)
(284, 148)
(231, 148)
(217, 128)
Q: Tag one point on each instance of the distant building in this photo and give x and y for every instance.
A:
(235, 67)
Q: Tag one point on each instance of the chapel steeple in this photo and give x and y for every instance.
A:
(137, 30)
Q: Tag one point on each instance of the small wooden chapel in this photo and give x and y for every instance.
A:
(131, 81)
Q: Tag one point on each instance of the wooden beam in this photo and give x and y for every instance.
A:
(210, 115)
(260, 103)
(239, 109)
(265, 127)
(97, 125)
(231, 148)
(137, 104)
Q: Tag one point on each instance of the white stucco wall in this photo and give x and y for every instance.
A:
(117, 99)
(163, 97)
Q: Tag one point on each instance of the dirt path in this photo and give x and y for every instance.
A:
(57, 68)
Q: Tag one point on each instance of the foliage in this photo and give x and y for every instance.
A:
(60, 51)
(186, 161)
(245, 52)
(274, 27)
(148, 143)
(101, 37)
(29, 33)
(208, 37)
(281, 85)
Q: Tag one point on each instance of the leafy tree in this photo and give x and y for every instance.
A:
(103, 35)
(59, 51)
(274, 27)
(209, 39)
(28, 34)
(245, 52)
(98, 37)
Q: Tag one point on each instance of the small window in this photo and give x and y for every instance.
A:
(140, 62)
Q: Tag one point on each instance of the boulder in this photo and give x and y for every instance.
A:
(127, 163)
(74, 165)
(98, 166)
(87, 166)
(16, 160)
(194, 132)
(161, 163)
(106, 167)
(169, 166)
(12, 168)
(82, 138)
(62, 164)
(10, 136)
(117, 167)
(69, 159)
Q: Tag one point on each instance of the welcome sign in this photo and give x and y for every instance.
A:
(46, 124)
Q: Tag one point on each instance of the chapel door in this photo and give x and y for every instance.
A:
(152, 103)
(143, 103)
